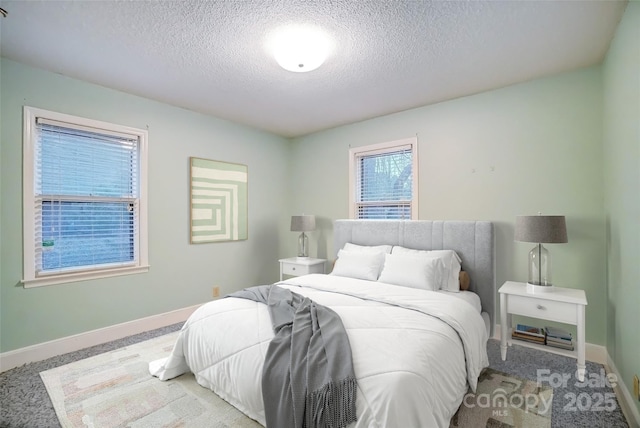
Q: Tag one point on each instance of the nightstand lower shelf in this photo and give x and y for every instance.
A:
(546, 348)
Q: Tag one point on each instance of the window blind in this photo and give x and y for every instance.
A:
(86, 197)
(384, 184)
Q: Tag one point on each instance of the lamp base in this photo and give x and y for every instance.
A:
(303, 245)
(537, 289)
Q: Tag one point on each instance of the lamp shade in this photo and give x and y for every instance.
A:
(303, 223)
(544, 229)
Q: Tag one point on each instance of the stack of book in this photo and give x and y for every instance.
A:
(558, 338)
(528, 334)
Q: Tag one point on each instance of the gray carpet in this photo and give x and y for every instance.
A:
(24, 402)
(574, 404)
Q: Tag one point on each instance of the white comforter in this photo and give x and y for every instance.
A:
(413, 369)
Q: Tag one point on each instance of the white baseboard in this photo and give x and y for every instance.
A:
(42, 351)
(625, 398)
(595, 353)
(592, 352)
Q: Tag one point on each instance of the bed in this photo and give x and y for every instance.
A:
(416, 352)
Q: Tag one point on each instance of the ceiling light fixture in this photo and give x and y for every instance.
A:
(300, 48)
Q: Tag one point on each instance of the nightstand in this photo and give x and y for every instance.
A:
(565, 305)
(296, 266)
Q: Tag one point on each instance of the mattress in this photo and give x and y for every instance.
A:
(468, 296)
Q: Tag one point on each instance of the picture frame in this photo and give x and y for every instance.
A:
(219, 201)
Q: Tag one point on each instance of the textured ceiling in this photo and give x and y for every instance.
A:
(388, 56)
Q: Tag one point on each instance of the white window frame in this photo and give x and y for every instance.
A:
(141, 264)
(381, 148)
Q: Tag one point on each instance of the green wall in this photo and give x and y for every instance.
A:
(181, 274)
(526, 148)
(621, 75)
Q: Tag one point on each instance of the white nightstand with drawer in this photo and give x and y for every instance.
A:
(296, 266)
(565, 305)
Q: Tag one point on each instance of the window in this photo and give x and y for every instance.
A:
(383, 181)
(84, 201)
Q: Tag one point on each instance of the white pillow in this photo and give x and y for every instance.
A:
(412, 270)
(451, 277)
(359, 265)
(452, 264)
(348, 246)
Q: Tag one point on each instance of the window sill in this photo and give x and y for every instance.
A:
(82, 276)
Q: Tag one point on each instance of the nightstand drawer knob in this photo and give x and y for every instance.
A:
(542, 308)
(293, 268)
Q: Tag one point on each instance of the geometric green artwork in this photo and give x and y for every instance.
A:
(218, 201)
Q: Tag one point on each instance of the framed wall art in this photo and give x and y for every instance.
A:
(218, 201)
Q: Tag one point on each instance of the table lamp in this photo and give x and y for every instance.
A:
(303, 223)
(541, 229)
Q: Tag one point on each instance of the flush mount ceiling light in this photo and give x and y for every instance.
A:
(300, 48)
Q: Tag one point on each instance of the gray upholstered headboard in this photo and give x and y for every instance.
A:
(472, 240)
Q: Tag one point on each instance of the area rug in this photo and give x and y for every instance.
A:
(115, 389)
(503, 401)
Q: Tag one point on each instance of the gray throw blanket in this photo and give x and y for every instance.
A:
(307, 378)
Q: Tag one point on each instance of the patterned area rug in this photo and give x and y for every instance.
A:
(503, 401)
(115, 389)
